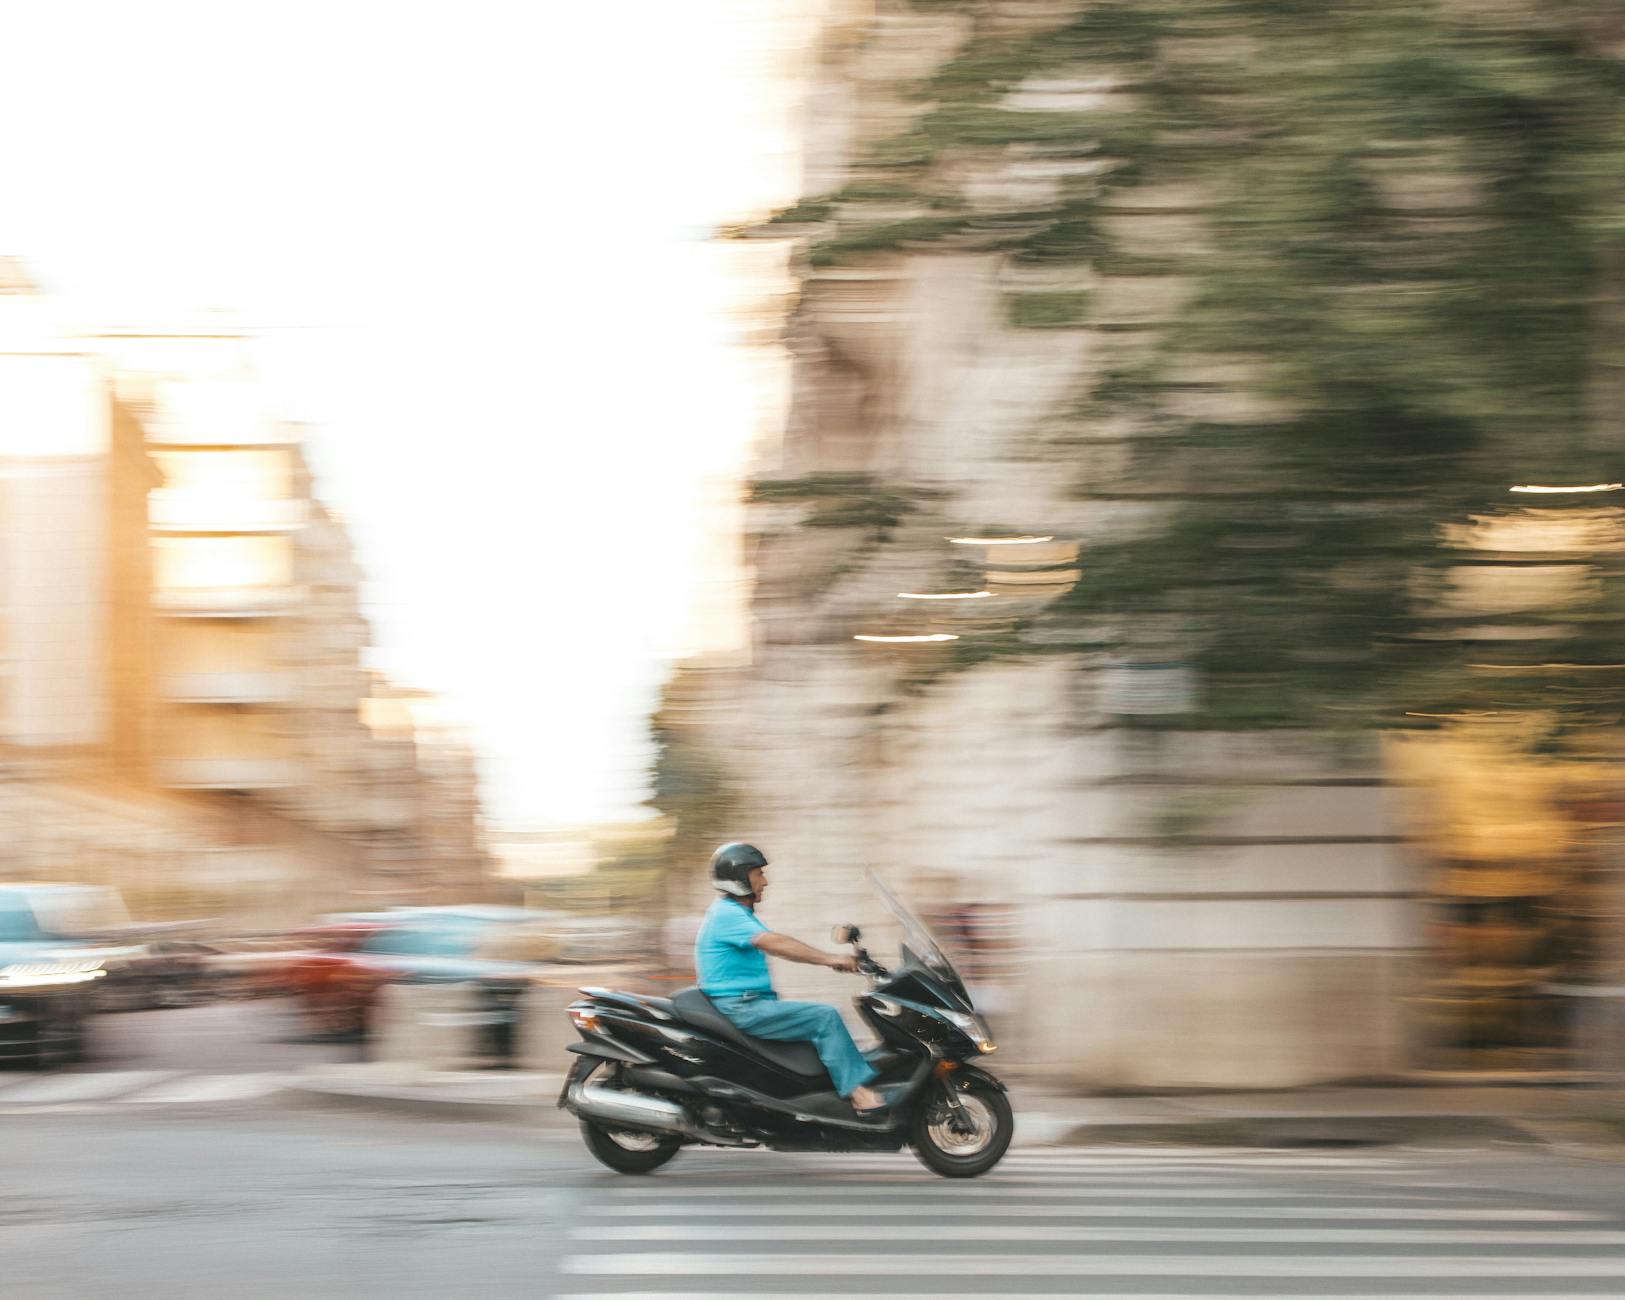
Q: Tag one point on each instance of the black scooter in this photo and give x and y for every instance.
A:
(653, 1075)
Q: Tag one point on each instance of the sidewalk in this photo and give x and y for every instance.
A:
(1589, 1118)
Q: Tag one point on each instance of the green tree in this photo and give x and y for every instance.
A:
(1411, 223)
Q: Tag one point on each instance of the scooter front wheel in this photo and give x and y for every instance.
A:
(965, 1132)
(627, 1152)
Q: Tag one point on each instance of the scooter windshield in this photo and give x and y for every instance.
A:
(918, 941)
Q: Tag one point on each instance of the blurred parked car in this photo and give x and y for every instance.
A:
(256, 966)
(162, 973)
(140, 965)
(338, 986)
(46, 975)
(574, 939)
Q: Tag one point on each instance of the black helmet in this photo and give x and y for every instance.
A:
(731, 866)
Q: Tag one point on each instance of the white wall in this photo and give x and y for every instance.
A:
(54, 438)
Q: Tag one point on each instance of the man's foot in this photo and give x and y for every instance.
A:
(866, 1101)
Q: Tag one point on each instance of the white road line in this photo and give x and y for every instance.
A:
(887, 1165)
(908, 1170)
(1116, 1210)
(929, 1187)
(835, 1232)
(1212, 1155)
(206, 1088)
(1326, 1267)
(1126, 1156)
(1230, 1158)
(82, 1087)
(1404, 1294)
(1025, 1162)
(882, 1164)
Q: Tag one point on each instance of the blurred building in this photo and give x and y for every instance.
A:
(425, 785)
(64, 438)
(534, 857)
(1020, 337)
(184, 690)
(266, 705)
(1159, 907)
(77, 654)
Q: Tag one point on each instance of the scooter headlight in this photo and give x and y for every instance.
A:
(39, 974)
(973, 1029)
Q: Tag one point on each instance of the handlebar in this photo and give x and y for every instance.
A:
(867, 965)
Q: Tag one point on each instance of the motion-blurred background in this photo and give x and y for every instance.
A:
(1143, 475)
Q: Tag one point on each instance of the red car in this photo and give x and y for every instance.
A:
(325, 973)
(339, 983)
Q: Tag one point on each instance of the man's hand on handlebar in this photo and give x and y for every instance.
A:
(844, 961)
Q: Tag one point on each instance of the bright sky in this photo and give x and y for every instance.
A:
(478, 228)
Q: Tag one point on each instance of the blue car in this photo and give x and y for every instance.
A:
(47, 977)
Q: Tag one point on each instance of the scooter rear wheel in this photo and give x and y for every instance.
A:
(626, 1152)
(965, 1139)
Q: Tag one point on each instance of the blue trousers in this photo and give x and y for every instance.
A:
(803, 1022)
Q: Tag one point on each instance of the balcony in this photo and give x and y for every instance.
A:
(229, 602)
(181, 513)
(224, 773)
(211, 687)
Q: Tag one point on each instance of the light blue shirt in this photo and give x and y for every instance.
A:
(726, 959)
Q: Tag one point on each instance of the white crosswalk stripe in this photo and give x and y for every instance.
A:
(1077, 1210)
(1081, 1235)
(1162, 1225)
(109, 1089)
(736, 1264)
(1014, 1186)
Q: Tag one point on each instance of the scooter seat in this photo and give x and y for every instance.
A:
(697, 1010)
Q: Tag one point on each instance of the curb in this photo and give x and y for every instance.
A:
(404, 1102)
(1033, 1129)
(1307, 1131)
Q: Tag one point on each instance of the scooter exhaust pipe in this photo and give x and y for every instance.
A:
(632, 1109)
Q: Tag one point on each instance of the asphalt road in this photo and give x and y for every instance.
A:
(224, 1037)
(255, 1196)
(222, 1052)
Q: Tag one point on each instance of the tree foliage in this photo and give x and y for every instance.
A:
(1408, 216)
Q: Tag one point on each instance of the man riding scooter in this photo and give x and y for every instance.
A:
(730, 956)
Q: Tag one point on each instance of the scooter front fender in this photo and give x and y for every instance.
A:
(971, 1072)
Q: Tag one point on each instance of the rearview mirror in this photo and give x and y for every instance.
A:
(844, 934)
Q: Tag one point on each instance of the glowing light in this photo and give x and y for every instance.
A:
(900, 640)
(1549, 490)
(999, 541)
(942, 595)
(37, 974)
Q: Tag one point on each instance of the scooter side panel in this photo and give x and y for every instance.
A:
(689, 1054)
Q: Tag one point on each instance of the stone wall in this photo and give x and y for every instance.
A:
(1195, 909)
(1188, 918)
